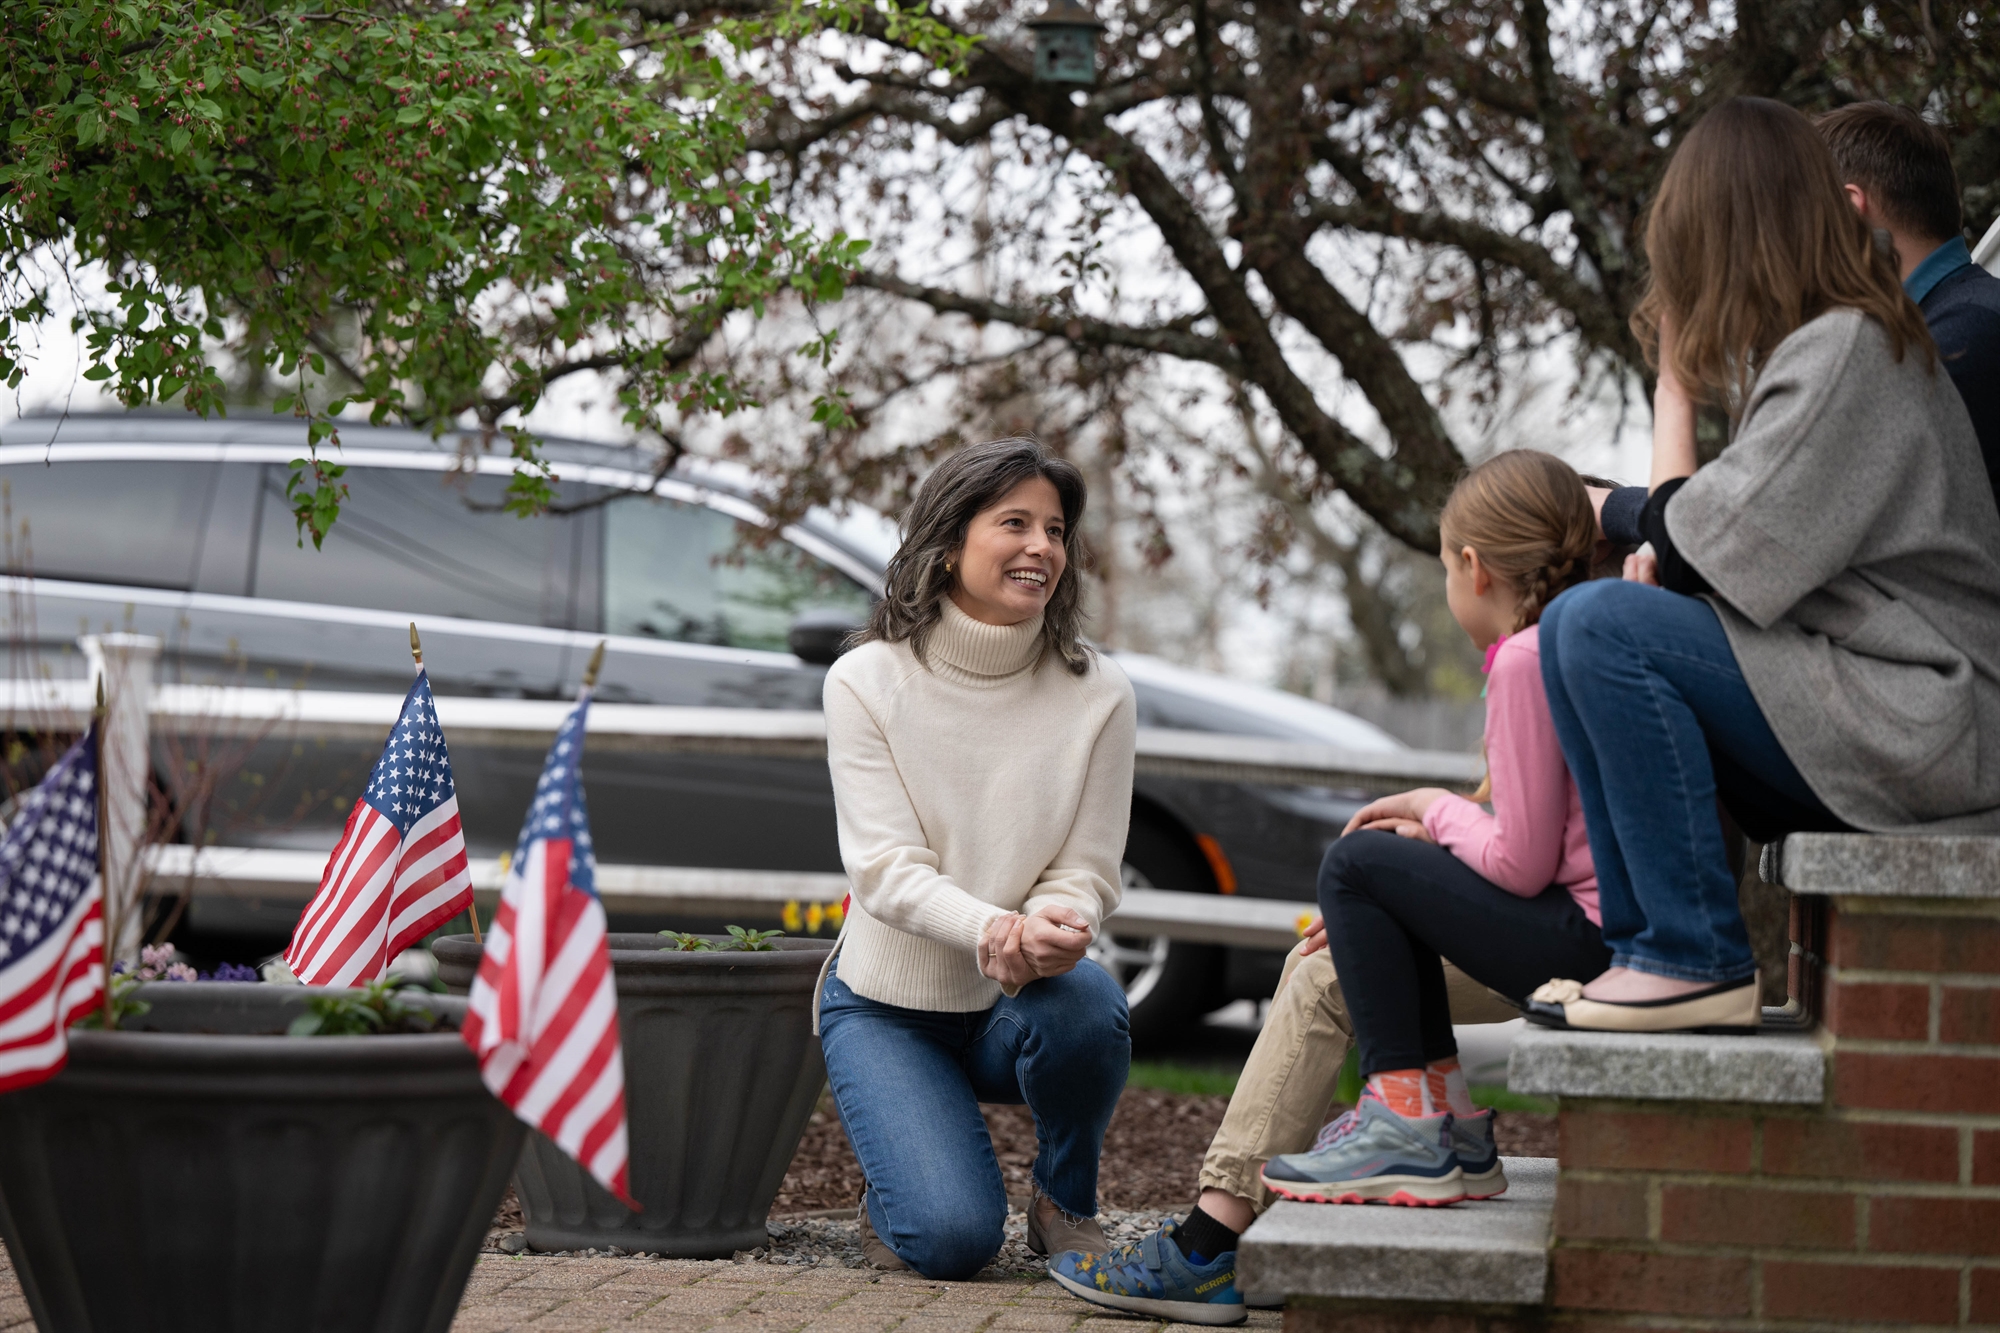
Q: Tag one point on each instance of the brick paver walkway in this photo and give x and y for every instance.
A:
(663, 1296)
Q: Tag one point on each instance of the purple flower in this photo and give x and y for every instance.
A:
(232, 972)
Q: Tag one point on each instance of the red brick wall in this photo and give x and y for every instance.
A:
(1880, 1208)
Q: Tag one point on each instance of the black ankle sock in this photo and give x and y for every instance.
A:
(1202, 1238)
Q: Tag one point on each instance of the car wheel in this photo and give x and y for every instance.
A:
(1168, 983)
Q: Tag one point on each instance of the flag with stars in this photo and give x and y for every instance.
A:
(399, 870)
(51, 919)
(543, 1014)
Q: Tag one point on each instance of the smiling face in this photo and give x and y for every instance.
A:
(1013, 556)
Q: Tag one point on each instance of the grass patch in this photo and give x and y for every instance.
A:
(1502, 1100)
(1172, 1076)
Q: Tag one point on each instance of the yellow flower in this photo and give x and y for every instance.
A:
(815, 915)
(790, 916)
(836, 913)
(1304, 923)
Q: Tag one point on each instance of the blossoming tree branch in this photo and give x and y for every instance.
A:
(436, 210)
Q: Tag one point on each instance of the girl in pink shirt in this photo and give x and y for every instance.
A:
(1510, 897)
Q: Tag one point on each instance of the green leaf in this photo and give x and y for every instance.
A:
(180, 140)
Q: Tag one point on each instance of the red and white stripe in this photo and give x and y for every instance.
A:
(47, 989)
(379, 894)
(543, 1015)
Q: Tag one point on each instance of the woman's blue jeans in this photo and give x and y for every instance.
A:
(1651, 710)
(909, 1082)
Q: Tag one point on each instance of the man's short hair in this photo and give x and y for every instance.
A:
(1902, 162)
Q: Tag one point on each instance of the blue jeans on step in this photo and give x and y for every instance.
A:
(1656, 722)
(908, 1083)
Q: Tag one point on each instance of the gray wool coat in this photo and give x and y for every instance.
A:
(1852, 542)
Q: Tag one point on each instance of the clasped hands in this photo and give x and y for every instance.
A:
(1016, 949)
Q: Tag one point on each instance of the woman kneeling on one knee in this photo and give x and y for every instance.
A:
(1822, 651)
(982, 774)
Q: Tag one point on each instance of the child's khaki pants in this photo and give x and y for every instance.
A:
(1294, 1069)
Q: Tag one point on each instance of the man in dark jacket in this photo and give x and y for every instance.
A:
(1899, 174)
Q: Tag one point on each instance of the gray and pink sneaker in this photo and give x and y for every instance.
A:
(1478, 1156)
(1373, 1155)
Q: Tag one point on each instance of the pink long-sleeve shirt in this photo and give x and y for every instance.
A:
(1535, 835)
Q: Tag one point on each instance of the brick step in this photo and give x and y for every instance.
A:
(1769, 1069)
(1490, 1252)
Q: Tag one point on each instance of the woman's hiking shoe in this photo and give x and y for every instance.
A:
(1373, 1155)
(1731, 1006)
(1052, 1231)
(873, 1248)
(1478, 1156)
(1152, 1277)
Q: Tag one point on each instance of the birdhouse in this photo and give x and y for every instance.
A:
(1066, 43)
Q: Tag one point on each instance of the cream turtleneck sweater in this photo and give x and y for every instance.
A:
(980, 785)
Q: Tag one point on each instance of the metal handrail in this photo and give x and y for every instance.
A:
(715, 893)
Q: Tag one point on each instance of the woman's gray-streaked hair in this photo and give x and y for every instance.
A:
(972, 480)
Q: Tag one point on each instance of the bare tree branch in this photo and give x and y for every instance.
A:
(1171, 339)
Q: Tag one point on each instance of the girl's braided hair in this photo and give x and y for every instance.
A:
(1530, 519)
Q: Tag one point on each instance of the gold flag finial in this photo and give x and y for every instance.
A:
(416, 644)
(596, 661)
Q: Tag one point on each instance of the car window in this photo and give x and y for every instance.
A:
(129, 522)
(408, 541)
(681, 571)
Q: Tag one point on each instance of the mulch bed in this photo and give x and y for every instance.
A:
(1152, 1153)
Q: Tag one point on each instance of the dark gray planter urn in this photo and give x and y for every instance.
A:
(195, 1174)
(721, 1073)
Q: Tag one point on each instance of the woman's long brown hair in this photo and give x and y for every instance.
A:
(966, 483)
(1749, 237)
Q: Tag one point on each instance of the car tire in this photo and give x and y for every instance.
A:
(1168, 983)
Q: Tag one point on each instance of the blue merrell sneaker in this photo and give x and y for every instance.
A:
(1370, 1155)
(1152, 1277)
(1478, 1156)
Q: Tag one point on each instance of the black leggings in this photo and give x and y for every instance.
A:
(1394, 906)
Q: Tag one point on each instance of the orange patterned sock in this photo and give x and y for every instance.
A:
(1404, 1091)
(1446, 1083)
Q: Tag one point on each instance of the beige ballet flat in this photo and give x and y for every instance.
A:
(1732, 1006)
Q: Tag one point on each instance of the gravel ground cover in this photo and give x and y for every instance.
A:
(1152, 1153)
(809, 1241)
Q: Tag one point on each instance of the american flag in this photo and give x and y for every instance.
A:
(543, 1015)
(51, 919)
(399, 870)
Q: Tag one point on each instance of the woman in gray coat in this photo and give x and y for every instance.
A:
(1815, 636)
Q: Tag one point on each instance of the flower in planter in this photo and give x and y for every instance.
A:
(374, 1008)
(740, 940)
(231, 972)
(121, 1004)
(156, 963)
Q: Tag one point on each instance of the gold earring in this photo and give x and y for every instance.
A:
(947, 566)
